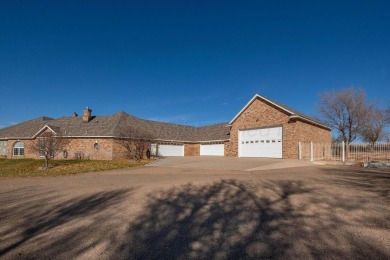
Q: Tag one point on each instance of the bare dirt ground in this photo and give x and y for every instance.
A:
(312, 212)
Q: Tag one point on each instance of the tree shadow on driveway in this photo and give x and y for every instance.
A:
(234, 219)
(333, 215)
(45, 226)
(374, 181)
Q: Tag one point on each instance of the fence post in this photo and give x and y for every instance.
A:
(343, 150)
(311, 152)
(299, 151)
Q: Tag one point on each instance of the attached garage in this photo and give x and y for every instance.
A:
(212, 149)
(168, 149)
(261, 142)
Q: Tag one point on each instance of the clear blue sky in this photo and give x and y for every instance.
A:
(187, 62)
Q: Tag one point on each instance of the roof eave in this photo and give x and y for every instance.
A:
(222, 140)
(15, 138)
(295, 116)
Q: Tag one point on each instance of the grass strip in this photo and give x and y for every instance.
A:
(33, 167)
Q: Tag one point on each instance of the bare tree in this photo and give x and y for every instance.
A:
(373, 129)
(48, 145)
(346, 111)
(387, 113)
(136, 141)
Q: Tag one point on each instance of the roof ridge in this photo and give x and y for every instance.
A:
(168, 123)
(223, 123)
(121, 116)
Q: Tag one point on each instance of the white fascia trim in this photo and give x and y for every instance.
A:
(172, 141)
(63, 136)
(87, 136)
(16, 138)
(41, 130)
(250, 102)
(190, 142)
(226, 140)
(155, 140)
(308, 120)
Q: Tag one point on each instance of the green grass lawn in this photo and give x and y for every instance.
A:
(32, 167)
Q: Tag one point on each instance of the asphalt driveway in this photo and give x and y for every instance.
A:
(177, 212)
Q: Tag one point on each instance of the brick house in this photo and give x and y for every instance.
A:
(263, 128)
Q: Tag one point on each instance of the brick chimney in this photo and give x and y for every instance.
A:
(87, 115)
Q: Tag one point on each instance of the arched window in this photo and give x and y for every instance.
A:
(18, 148)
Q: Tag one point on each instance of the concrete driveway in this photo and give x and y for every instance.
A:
(229, 163)
(311, 212)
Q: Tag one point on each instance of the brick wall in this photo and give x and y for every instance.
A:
(86, 147)
(312, 133)
(82, 146)
(27, 152)
(261, 114)
(191, 149)
(3, 148)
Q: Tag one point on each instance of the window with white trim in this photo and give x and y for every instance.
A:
(18, 149)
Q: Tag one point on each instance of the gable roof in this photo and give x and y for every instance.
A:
(294, 114)
(110, 126)
(56, 130)
(26, 129)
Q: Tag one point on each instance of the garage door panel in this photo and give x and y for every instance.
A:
(261, 134)
(169, 149)
(264, 142)
(212, 149)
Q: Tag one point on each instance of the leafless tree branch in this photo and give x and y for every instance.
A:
(346, 111)
(373, 129)
(48, 145)
(136, 141)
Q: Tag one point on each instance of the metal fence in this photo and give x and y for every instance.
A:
(364, 152)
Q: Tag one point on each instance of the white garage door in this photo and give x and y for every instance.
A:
(264, 142)
(170, 149)
(215, 149)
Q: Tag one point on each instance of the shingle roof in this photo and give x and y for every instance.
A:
(213, 132)
(26, 129)
(111, 126)
(176, 132)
